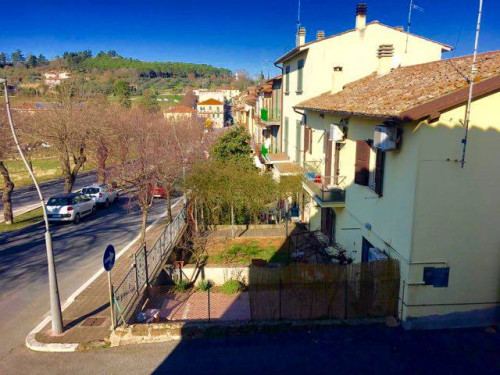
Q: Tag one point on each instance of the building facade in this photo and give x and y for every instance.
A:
(213, 111)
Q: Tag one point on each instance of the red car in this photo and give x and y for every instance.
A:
(158, 192)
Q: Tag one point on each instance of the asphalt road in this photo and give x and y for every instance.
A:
(26, 195)
(78, 252)
(336, 350)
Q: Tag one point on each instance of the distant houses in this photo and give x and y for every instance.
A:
(213, 111)
(179, 112)
(54, 78)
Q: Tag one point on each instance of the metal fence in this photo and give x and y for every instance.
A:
(315, 291)
(146, 265)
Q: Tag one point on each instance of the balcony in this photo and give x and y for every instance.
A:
(270, 116)
(325, 191)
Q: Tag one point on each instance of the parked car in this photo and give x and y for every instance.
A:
(158, 192)
(69, 207)
(101, 194)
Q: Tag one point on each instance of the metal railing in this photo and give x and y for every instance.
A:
(145, 266)
(326, 188)
(270, 115)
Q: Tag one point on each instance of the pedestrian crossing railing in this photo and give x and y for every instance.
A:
(147, 263)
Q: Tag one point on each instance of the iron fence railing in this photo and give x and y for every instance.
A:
(145, 266)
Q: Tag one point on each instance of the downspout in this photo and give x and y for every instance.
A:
(281, 107)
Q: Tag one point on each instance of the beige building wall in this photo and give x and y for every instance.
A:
(356, 53)
(432, 213)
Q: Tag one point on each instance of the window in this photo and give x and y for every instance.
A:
(369, 167)
(285, 136)
(298, 139)
(300, 77)
(287, 79)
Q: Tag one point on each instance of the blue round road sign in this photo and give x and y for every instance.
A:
(108, 260)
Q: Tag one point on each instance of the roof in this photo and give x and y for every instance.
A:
(412, 92)
(295, 51)
(180, 109)
(211, 102)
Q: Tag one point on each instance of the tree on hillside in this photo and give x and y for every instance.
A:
(148, 101)
(122, 91)
(6, 152)
(32, 61)
(66, 127)
(42, 60)
(17, 57)
(234, 144)
(3, 59)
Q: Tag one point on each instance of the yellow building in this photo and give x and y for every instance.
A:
(213, 110)
(179, 112)
(383, 170)
(307, 69)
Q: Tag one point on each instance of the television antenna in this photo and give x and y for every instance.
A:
(298, 23)
(411, 8)
(473, 72)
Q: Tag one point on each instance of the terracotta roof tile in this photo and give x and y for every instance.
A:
(211, 102)
(180, 109)
(405, 87)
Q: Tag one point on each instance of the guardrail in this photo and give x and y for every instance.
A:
(146, 264)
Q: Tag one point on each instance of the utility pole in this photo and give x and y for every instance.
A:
(55, 304)
(473, 72)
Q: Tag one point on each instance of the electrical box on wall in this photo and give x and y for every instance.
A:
(437, 276)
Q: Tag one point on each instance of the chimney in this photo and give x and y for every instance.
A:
(320, 34)
(384, 53)
(361, 10)
(337, 80)
(301, 37)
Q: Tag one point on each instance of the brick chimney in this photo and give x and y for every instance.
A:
(320, 34)
(385, 53)
(361, 10)
(337, 80)
(301, 37)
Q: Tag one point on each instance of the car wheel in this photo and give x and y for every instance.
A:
(94, 210)
(106, 204)
(76, 220)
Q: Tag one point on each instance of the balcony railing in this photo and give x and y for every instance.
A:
(270, 115)
(325, 188)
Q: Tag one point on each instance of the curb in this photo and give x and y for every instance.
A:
(33, 344)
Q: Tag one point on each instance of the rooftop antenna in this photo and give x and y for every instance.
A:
(473, 72)
(416, 7)
(298, 23)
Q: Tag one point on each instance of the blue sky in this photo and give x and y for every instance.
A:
(232, 34)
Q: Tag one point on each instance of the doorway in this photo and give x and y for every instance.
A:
(328, 224)
(365, 250)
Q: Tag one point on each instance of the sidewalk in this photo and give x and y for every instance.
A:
(87, 318)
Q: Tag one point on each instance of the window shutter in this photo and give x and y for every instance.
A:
(379, 172)
(308, 139)
(362, 164)
(287, 79)
(300, 71)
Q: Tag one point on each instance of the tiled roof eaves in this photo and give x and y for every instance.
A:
(348, 113)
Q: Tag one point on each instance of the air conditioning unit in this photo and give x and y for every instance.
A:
(386, 138)
(374, 253)
(336, 134)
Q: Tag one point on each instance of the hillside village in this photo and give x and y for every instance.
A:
(350, 198)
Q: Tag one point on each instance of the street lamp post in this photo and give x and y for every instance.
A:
(55, 304)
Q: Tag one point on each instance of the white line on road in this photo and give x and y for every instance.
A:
(31, 341)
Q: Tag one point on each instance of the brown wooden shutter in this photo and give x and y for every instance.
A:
(379, 172)
(328, 159)
(362, 164)
(307, 136)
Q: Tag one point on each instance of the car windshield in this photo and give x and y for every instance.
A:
(57, 202)
(90, 190)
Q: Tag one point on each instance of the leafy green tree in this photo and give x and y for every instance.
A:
(122, 91)
(17, 56)
(149, 102)
(234, 144)
(32, 61)
(42, 60)
(3, 59)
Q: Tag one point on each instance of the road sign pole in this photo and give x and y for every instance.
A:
(111, 304)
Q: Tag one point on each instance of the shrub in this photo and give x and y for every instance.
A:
(231, 286)
(181, 285)
(204, 285)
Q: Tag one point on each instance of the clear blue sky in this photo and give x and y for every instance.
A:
(228, 33)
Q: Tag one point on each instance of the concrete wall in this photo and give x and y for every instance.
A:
(217, 274)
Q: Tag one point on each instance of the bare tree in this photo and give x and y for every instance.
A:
(65, 127)
(137, 156)
(6, 151)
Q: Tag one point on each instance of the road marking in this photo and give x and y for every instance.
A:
(31, 341)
